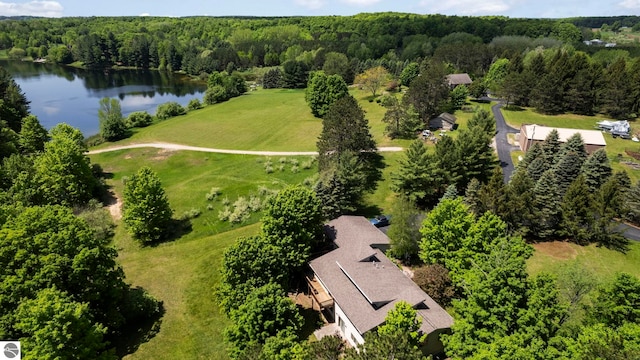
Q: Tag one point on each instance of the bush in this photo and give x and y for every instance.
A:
(215, 94)
(139, 119)
(213, 193)
(434, 280)
(272, 79)
(169, 110)
(255, 204)
(190, 214)
(224, 214)
(194, 104)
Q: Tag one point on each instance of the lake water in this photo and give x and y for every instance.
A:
(63, 94)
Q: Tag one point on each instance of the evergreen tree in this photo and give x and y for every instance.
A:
(567, 170)
(429, 92)
(577, 213)
(551, 147)
(272, 79)
(596, 169)
(402, 120)
(450, 193)
(483, 119)
(475, 155)
(537, 167)
(492, 194)
(419, 177)
(534, 152)
(345, 129)
(295, 74)
(632, 203)
(547, 201)
(519, 210)
(616, 101)
(14, 105)
(472, 197)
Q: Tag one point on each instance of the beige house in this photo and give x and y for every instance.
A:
(531, 134)
(355, 285)
(458, 79)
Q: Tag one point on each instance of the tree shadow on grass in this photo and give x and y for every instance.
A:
(138, 328)
(177, 228)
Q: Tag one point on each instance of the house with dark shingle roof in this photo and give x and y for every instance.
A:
(444, 121)
(355, 284)
(458, 79)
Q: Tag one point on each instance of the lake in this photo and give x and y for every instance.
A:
(65, 94)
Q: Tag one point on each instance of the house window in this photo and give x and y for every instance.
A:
(353, 338)
(341, 324)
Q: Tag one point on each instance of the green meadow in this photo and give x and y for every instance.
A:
(183, 273)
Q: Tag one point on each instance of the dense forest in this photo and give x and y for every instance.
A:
(205, 44)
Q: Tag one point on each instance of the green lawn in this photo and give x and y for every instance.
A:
(604, 263)
(189, 176)
(275, 120)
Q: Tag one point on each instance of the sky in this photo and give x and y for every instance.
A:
(511, 8)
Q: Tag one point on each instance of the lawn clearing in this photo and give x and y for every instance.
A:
(605, 263)
(182, 274)
(189, 176)
(263, 120)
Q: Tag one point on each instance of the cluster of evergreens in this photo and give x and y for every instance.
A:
(503, 313)
(567, 81)
(62, 292)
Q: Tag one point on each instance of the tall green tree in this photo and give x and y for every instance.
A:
(345, 139)
(145, 210)
(322, 91)
(56, 327)
(63, 173)
(403, 320)
(482, 118)
(402, 120)
(547, 201)
(32, 135)
(617, 302)
(404, 231)
(596, 169)
(577, 213)
(616, 101)
(295, 74)
(264, 313)
(419, 177)
(14, 105)
(112, 125)
(429, 92)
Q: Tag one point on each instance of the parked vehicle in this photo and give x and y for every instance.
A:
(380, 221)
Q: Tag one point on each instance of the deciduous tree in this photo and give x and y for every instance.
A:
(145, 210)
(373, 79)
(322, 91)
(112, 125)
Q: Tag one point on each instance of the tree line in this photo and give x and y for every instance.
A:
(206, 44)
(62, 292)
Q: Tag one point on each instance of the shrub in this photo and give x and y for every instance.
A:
(295, 169)
(272, 79)
(268, 169)
(226, 201)
(282, 160)
(194, 104)
(169, 109)
(213, 193)
(209, 206)
(281, 168)
(224, 214)
(294, 162)
(434, 280)
(255, 204)
(190, 214)
(215, 94)
(139, 119)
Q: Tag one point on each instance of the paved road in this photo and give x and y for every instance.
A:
(169, 146)
(502, 144)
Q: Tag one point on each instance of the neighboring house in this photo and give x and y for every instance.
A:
(355, 285)
(444, 121)
(458, 79)
(531, 134)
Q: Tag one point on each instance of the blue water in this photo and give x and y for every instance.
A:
(62, 94)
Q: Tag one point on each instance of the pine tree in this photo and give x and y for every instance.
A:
(492, 193)
(577, 214)
(472, 196)
(567, 170)
(519, 210)
(551, 147)
(547, 201)
(537, 167)
(475, 155)
(534, 152)
(483, 119)
(450, 193)
(615, 93)
(596, 169)
(419, 177)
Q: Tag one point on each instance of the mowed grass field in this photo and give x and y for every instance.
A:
(264, 120)
(615, 147)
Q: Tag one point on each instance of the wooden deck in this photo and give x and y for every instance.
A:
(318, 294)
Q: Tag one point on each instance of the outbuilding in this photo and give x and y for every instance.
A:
(531, 134)
(444, 121)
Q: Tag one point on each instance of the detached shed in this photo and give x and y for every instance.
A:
(444, 121)
(458, 79)
(531, 134)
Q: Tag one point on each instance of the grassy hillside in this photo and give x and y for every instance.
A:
(275, 120)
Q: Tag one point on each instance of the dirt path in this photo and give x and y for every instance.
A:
(170, 146)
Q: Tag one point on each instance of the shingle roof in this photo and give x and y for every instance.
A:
(539, 133)
(447, 117)
(365, 283)
(459, 79)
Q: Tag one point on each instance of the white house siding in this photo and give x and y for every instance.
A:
(350, 332)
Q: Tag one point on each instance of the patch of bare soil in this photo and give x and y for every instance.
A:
(557, 249)
(114, 205)
(163, 154)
